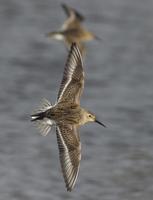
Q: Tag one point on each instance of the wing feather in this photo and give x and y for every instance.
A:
(69, 153)
(71, 11)
(74, 18)
(73, 78)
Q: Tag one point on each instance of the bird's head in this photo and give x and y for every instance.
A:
(92, 118)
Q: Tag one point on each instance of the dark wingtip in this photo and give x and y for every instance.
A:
(64, 6)
(69, 189)
(68, 11)
(79, 16)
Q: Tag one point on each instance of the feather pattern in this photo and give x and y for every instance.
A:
(44, 126)
(69, 153)
(73, 78)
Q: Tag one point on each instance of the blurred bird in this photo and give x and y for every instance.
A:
(67, 115)
(72, 29)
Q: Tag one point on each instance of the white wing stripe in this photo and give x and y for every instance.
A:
(75, 177)
(70, 173)
(70, 73)
(64, 89)
(71, 66)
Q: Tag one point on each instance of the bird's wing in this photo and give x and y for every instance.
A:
(69, 152)
(73, 78)
(74, 18)
(71, 11)
(71, 23)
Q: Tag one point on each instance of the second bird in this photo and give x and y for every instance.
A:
(72, 29)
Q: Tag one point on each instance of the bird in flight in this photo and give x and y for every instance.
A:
(67, 115)
(72, 29)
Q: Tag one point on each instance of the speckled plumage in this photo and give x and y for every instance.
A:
(72, 29)
(68, 116)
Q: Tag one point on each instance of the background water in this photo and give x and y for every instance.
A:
(117, 162)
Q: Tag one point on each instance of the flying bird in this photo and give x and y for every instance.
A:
(67, 115)
(72, 29)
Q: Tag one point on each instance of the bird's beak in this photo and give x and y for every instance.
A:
(97, 38)
(100, 123)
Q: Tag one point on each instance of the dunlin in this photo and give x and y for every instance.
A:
(72, 29)
(67, 115)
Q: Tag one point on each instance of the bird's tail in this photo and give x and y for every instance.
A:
(39, 117)
(58, 35)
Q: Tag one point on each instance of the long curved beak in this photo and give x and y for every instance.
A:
(100, 123)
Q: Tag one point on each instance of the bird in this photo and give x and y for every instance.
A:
(67, 116)
(72, 29)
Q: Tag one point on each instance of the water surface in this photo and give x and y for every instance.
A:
(117, 162)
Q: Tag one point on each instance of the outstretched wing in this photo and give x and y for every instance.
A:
(74, 18)
(71, 11)
(69, 153)
(73, 78)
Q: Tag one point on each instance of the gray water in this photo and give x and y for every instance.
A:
(117, 162)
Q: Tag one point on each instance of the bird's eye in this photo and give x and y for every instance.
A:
(89, 115)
